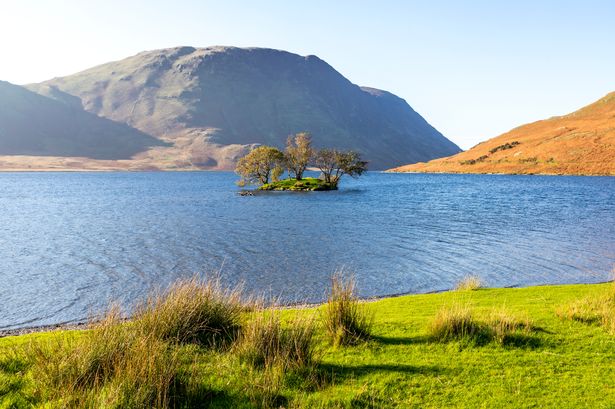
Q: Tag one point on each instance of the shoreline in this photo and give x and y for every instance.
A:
(450, 172)
(83, 325)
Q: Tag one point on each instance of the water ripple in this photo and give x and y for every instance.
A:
(73, 242)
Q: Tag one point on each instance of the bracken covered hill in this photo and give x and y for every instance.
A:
(580, 143)
(214, 104)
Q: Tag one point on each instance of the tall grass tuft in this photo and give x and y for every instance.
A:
(507, 328)
(192, 311)
(266, 342)
(146, 377)
(597, 309)
(89, 362)
(469, 283)
(108, 367)
(346, 319)
(266, 388)
(275, 352)
(456, 323)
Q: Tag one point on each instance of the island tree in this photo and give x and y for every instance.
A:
(334, 164)
(268, 163)
(298, 154)
(261, 164)
(326, 161)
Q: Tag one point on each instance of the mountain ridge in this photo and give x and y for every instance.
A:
(213, 104)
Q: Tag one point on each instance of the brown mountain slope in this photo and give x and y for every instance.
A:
(581, 143)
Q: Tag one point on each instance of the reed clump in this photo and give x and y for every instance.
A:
(266, 342)
(469, 283)
(345, 317)
(596, 309)
(276, 351)
(108, 367)
(507, 328)
(192, 311)
(458, 323)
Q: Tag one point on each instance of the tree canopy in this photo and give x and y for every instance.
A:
(334, 164)
(261, 164)
(298, 154)
(267, 163)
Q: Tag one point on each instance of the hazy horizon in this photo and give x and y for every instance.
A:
(473, 71)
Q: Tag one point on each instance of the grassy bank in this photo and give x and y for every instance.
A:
(548, 346)
(305, 184)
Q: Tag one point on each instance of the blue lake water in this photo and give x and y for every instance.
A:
(72, 242)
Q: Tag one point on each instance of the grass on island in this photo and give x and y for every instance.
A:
(305, 184)
(551, 346)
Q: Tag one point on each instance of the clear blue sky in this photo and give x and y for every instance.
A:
(473, 69)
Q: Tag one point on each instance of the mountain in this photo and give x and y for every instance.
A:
(580, 143)
(34, 125)
(214, 104)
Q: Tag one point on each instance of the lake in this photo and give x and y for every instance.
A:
(72, 242)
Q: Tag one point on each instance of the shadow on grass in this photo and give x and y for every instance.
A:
(482, 338)
(522, 341)
(399, 340)
(335, 372)
(13, 364)
(202, 397)
(515, 340)
(541, 330)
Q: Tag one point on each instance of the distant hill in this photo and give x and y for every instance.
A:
(581, 143)
(34, 125)
(213, 104)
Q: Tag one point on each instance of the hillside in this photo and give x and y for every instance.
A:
(34, 125)
(581, 143)
(214, 103)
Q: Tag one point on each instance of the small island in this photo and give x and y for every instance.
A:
(305, 184)
(265, 165)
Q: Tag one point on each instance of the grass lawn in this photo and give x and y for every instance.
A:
(305, 184)
(560, 364)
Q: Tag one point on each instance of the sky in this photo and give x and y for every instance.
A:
(473, 69)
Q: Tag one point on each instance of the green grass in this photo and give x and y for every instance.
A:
(305, 184)
(552, 361)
